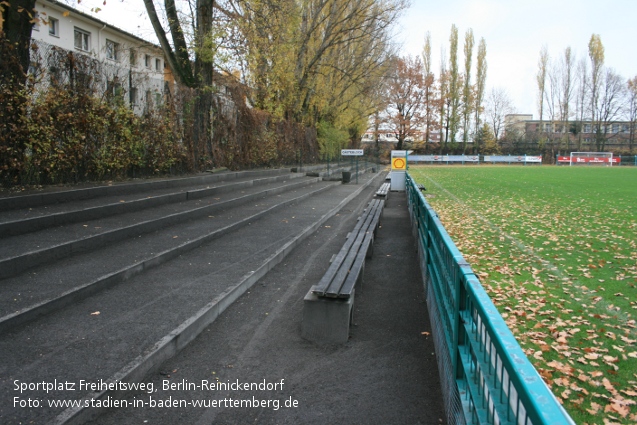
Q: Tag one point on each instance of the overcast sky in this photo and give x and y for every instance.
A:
(515, 31)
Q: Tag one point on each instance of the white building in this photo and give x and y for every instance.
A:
(72, 47)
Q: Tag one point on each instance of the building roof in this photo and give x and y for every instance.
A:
(99, 21)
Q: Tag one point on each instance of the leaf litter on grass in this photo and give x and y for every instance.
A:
(560, 262)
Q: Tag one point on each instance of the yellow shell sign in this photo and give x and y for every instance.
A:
(398, 163)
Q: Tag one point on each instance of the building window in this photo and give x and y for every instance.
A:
(587, 128)
(112, 50)
(54, 27)
(133, 58)
(82, 40)
(548, 127)
(55, 75)
(133, 96)
(114, 89)
(615, 128)
(83, 79)
(147, 61)
(157, 64)
(36, 21)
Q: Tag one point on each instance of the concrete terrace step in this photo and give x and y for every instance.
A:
(19, 253)
(54, 286)
(108, 189)
(19, 221)
(152, 314)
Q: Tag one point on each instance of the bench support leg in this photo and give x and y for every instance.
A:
(326, 321)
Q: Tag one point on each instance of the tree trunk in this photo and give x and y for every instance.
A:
(203, 70)
(17, 22)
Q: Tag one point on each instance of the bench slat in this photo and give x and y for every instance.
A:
(338, 262)
(359, 261)
(339, 280)
(356, 269)
(383, 190)
(334, 289)
(333, 278)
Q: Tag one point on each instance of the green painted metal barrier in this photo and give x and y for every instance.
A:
(486, 377)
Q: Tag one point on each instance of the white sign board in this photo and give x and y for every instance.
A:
(351, 152)
(510, 159)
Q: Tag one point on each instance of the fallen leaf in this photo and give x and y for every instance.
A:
(622, 409)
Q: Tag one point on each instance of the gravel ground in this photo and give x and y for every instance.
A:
(385, 374)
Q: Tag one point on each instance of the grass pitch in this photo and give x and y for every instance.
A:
(556, 249)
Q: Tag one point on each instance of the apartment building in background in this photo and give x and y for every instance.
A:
(388, 136)
(73, 48)
(617, 133)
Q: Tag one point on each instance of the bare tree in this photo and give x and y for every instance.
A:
(610, 107)
(552, 101)
(498, 106)
(581, 101)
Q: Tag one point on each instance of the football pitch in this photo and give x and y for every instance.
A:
(556, 249)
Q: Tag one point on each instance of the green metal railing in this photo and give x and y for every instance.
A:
(486, 377)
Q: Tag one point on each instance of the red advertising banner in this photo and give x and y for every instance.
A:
(591, 160)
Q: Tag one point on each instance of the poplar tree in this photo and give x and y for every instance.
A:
(481, 78)
(541, 81)
(467, 103)
(429, 90)
(632, 111)
(567, 88)
(454, 85)
(445, 104)
(596, 56)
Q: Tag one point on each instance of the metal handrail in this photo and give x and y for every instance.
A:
(486, 376)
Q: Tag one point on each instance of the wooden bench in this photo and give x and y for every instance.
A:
(383, 191)
(329, 304)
